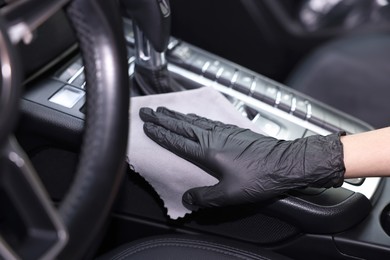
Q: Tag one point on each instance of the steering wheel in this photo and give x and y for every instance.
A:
(31, 227)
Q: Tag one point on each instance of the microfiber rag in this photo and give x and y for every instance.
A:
(167, 173)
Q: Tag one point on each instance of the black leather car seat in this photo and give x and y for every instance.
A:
(351, 74)
(190, 248)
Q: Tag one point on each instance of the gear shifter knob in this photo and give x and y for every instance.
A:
(153, 17)
(151, 23)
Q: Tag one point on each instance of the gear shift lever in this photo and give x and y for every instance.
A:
(151, 22)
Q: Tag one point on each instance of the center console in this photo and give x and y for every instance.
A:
(276, 109)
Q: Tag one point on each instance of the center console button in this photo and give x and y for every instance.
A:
(271, 93)
(300, 107)
(212, 70)
(197, 63)
(173, 42)
(264, 91)
(244, 82)
(182, 52)
(67, 96)
(286, 100)
(226, 76)
(181, 55)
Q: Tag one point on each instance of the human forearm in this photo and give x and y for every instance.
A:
(367, 154)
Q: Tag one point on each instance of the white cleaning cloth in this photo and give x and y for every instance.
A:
(167, 173)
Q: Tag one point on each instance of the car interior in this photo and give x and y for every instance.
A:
(69, 69)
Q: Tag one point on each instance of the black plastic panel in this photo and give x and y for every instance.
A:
(326, 212)
(312, 211)
(51, 40)
(42, 92)
(246, 223)
(368, 240)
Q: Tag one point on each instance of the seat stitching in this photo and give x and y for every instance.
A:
(168, 242)
(196, 242)
(189, 246)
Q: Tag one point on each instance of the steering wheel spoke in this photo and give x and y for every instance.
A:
(26, 209)
(24, 16)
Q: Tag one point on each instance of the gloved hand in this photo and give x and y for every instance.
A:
(250, 167)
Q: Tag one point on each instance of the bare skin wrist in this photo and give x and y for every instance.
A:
(367, 154)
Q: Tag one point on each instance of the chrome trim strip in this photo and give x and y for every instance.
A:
(293, 104)
(253, 87)
(74, 77)
(234, 78)
(205, 66)
(256, 118)
(308, 112)
(6, 252)
(219, 73)
(131, 59)
(172, 43)
(31, 176)
(145, 53)
(278, 98)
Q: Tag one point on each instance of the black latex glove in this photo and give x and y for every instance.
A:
(250, 167)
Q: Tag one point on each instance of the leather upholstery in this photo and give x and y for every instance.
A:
(351, 74)
(189, 247)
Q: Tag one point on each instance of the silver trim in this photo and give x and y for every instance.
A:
(128, 30)
(130, 60)
(278, 98)
(172, 43)
(6, 252)
(256, 118)
(131, 66)
(254, 103)
(164, 8)
(21, 29)
(234, 78)
(293, 104)
(252, 88)
(74, 77)
(308, 110)
(368, 187)
(219, 73)
(205, 66)
(39, 190)
(145, 54)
